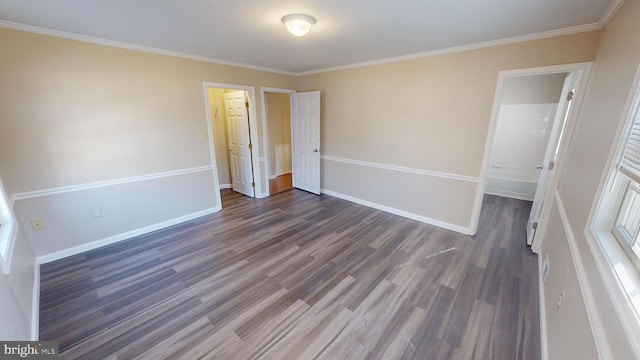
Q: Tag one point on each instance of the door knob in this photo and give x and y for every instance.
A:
(539, 167)
(315, 150)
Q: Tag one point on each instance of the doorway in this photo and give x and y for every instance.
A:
(304, 137)
(559, 132)
(527, 113)
(278, 118)
(233, 137)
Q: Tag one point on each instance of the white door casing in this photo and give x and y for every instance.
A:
(239, 139)
(306, 141)
(545, 177)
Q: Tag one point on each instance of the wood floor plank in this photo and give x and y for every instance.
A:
(300, 276)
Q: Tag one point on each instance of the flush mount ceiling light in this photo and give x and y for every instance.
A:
(298, 24)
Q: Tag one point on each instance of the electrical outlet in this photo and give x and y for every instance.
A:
(37, 224)
(561, 299)
(96, 213)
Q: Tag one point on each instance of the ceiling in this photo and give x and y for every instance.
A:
(347, 32)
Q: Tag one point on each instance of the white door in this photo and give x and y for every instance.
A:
(306, 141)
(235, 104)
(551, 156)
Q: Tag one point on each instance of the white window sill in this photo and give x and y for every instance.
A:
(622, 280)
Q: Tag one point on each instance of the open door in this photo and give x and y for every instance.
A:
(306, 141)
(239, 138)
(546, 175)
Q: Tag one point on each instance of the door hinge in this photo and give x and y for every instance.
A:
(253, 184)
(535, 226)
(570, 96)
(246, 104)
(250, 147)
(551, 165)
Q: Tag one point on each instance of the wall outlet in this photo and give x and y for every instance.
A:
(561, 299)
(96, 213)
(37, 224)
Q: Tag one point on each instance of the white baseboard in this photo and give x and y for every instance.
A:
(542, 311)
(123, 236)
(225, 186)
(35, 303)
(412, 216)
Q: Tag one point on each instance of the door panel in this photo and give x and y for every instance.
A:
(306, 142)
(239, 142)
(547, 172)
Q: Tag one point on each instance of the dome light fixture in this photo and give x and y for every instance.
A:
(298, 24)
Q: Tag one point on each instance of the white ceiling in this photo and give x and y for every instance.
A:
(347, 32)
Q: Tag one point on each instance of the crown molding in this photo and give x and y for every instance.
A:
(606, 17)
(128, 46)
(611, 11)
(455, 49)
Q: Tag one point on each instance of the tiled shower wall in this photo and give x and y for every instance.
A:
(519, 146)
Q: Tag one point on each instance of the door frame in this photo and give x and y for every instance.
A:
(583, 71)
(263, 102)
(253, 129)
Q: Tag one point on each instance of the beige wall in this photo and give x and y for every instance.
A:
(430, 114)
(76, 113)
(220, 140)
(278, 107)
(602, 113)
(536, 89)
(569, 334)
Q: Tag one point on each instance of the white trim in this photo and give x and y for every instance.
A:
(598, 234)
(595, 322)
(613, 8)
(401, 168)
(123, 236)
(212, 145)
(129, 46)
(99, 184)
(264, 163)
(456, 49)
(8, 231)
(35, 303)
(619, 300)
(584, 70)
(611, 11)
(225, 186)
(254, 130)
(406, 214)
(542, 312)
(265, 127)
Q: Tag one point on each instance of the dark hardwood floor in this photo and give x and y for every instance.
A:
(299, 276)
